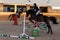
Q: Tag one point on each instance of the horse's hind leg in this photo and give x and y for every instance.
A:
(49, 28)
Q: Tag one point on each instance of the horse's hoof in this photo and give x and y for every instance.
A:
(47, 32)
(51, 32)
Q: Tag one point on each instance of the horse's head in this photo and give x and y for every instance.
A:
(30, 12)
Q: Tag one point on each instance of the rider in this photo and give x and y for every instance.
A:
(36, 9)
(38, 15)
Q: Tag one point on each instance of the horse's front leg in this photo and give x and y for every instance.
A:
(31, 20)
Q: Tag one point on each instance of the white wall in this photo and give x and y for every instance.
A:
(55, 2)
(14, 1)
(39, 2)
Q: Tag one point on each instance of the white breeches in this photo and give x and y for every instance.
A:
(37, 12)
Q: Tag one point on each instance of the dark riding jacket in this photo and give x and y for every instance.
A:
(36, 8)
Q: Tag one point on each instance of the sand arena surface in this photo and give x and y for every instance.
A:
(9, 28)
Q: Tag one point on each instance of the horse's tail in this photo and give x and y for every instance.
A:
(53, 19)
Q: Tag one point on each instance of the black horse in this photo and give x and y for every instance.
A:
(41, 18)
(34, 17)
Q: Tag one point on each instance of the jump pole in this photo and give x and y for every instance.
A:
(24, 34)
